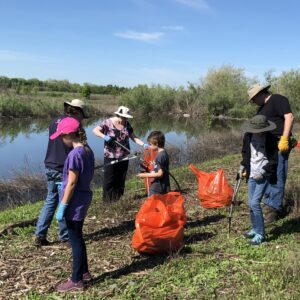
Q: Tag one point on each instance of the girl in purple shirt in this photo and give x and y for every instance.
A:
(76, 197)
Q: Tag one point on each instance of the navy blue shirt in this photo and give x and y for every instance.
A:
(57, 151)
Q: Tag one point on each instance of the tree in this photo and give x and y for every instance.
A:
(86, 91)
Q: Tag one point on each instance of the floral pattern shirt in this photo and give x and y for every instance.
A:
(111, 149)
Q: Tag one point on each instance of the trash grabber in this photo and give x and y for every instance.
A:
(127, 158)
(234, 196)
(122, 146)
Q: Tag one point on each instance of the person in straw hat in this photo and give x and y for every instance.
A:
(259, 166)
(278, 110)
(56, 155)
(115, 131)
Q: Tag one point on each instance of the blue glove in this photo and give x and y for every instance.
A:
(146, 146)
(61, 211)
(107, 138)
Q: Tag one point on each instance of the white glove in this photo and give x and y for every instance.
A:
(259, 176)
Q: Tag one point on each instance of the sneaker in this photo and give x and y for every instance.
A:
(87, 277)
(257, 240)
(271, 215)
(250, 234)
(39, 242)
(69, 286)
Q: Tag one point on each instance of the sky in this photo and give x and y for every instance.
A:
(130, 42)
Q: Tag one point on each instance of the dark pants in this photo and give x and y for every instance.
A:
(80, 264)
(114, 180)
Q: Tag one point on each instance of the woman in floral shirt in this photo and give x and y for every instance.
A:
(116, 128)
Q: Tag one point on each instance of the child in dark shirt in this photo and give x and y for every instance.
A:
(160, 174)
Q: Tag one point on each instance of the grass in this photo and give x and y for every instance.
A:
(44, 104)
(210, 266)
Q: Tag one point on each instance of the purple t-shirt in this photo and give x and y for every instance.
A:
(82, 161)
(112, 150)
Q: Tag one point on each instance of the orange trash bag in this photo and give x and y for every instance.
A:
(148, 164)
(213, 189)
(160, 224)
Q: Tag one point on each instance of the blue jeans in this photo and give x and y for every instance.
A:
(256, 191)
(275, 192)
(49, 208)
(80, 264)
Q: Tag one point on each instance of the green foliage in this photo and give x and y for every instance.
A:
(221, 92)
(287, 84)
(86, 91)
(26, 86)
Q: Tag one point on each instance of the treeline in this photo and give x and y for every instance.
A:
(221, 92)
(26, 86)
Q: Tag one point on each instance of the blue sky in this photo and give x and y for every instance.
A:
(127, 42)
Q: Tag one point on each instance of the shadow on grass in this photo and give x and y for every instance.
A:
(123, 228)
(145, 263)
(198, 237)
(287, 227)
(205, 221)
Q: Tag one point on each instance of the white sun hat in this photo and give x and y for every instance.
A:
(123, 111)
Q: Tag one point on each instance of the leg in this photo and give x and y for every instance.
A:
(251, 190)
(259, 188)
(275, 192)
(108, 182)
(119, 183)
(78, 250)
(49, 208)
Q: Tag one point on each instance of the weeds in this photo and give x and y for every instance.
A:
(210, 265)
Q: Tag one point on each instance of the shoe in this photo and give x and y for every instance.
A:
(87, 277)
(271, 215)
(257, 240)
(69, 286)
(39, 242)
(250, 234)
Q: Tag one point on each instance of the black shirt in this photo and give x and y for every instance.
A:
(57, 151)
(161, 185)
(275, 109)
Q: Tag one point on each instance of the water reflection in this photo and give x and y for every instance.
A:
(26, 139)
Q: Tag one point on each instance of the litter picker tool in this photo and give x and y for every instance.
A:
(116, 161)
(122, 146)
(233, 200)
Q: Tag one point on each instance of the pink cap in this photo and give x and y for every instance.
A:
(66, 126)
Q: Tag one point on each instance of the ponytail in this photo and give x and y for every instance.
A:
(83, 139)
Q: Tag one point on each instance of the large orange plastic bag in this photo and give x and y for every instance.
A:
(160, 224)
(213, 189)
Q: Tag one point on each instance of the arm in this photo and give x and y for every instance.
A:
(97, 132)
(158, 174)
(72, 181)
(288, 124)
(136, 139)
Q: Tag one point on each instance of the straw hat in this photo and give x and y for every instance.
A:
(256, 89)
(78, 104)
(257, 124)
(123, 111)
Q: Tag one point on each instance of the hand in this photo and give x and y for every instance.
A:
(283, 144)
(241, 173)
(146, 146)
(107, 138)
(259, 176)
(61, 211)
(141, 175)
